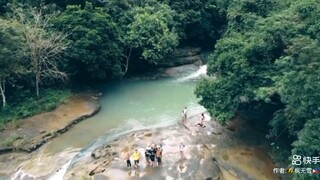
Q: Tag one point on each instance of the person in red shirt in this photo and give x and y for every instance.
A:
(159, 155)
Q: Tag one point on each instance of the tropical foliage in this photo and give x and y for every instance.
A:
(269, 53)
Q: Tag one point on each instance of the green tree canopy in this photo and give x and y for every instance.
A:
(151, 30)
(95, 45)
(269, 53)
(12, 49)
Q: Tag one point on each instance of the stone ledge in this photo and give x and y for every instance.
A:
(37, 130)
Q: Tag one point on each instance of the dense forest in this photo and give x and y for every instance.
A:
(269, 54)
(49, 46)
(264, 52)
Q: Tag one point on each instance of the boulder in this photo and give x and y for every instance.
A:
(96, 154)
(185, 52)
(184, 56)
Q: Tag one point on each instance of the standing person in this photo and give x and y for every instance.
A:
(147, 154)
(182, 117)
(136, 157)
(181, 149)
(128, 161)
(184, 114)
(201, 121)
(161, 151)
(159, 155)
(153, 155)
(149, 151)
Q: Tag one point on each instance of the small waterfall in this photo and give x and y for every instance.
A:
(61, 172)
(201, 71)
(21, 174)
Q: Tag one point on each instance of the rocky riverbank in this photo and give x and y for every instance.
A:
(212, 152)
(33, 132)
(30, 133)
(235, 151)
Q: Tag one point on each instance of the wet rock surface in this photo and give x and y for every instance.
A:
(179, 71)
(182, 56)
(180, 63)
(169, 72)
(35, 131)
(212, 152)
(220, 152)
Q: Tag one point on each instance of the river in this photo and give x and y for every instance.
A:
(132, 105)
(127, 106)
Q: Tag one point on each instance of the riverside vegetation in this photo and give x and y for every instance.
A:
(265, 55)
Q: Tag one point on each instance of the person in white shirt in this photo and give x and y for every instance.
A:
(184, 115)
(181, 149)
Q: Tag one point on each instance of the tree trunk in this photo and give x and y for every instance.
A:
(2, 90)
(127, 61)
(37, 83)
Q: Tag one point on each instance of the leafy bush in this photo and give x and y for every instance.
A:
(27, 105)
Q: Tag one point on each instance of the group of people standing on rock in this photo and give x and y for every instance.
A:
(184, 118)
(153, 155)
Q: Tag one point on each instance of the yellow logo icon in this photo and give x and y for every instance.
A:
(290, 171)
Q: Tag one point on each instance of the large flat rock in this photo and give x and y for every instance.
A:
(212, 152)
(33, 132)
